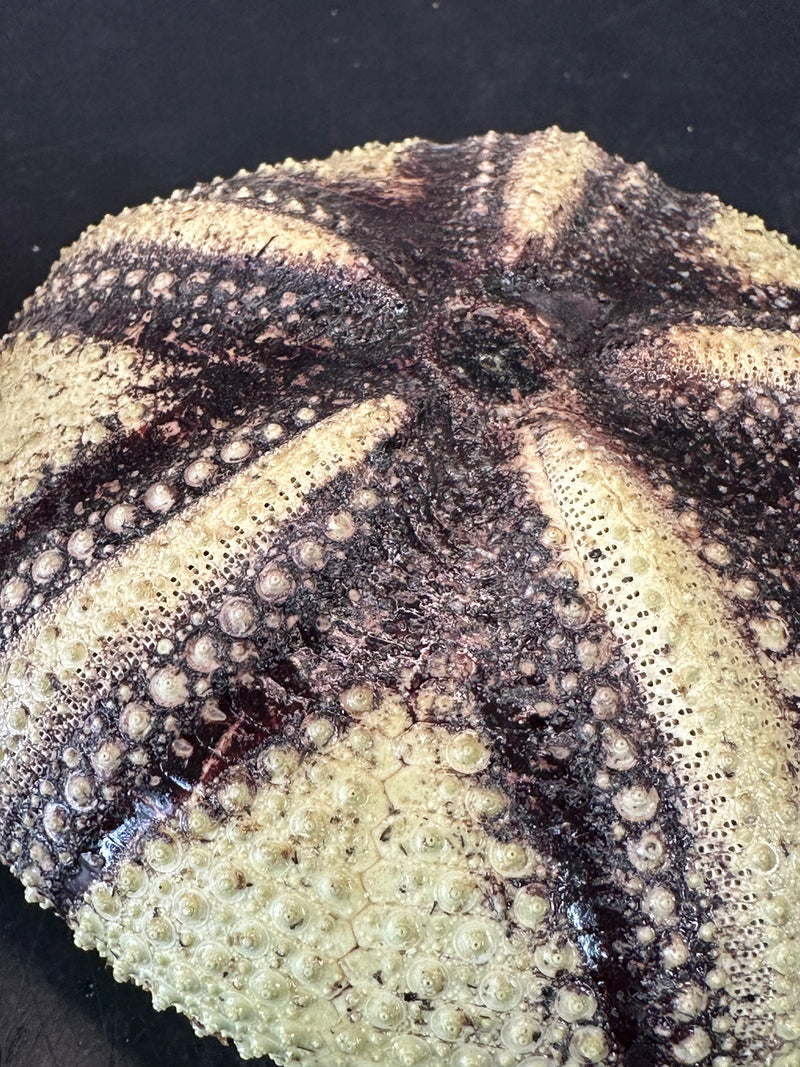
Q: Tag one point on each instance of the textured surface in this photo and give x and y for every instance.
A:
(400, 610)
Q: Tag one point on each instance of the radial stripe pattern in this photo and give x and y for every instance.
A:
(399, 610)
(220, 227)
(728, 738)
(545, 186)
(743, 243)
(721, 355)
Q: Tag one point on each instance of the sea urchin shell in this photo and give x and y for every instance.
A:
(400, 611)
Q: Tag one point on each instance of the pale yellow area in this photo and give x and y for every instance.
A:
(372, 163)
(56, 394)
(220, 227)
(544, 187)
(353, 909)
(728, 738)
(726, 353)
(759, 255)
(117, 613)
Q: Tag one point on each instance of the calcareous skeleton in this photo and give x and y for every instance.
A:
(400, 610)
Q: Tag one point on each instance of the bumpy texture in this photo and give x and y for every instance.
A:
(400, 613)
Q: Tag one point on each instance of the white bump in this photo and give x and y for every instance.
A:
(160, 497)
(636, 803)
(235, 451)
(237, 616)
(384, 1011)
(572, 1005)
(694, 1047)
(690, 1001)
(500, 990)
(659, 904)
(589, 1044)
(162, 282)
(136, 721)
(716, 978)
(55, 819)
(530, 908)
(365, 499)
(620, 752)
(309, 553)
(273, 431)
(357, 700)
(47, 565)
(14, 593)
(274, 584)
(79, 791)
(466, 753)
(81, 543)
(201, 654)
(471, 1056)
(474, 941)
(106, 278)
(553, 958)
(604, 702)
(771, 633)
(169, 687)
(746, 589)
(511, 859)
(447, 1022)
(649, 852)
(340, 526)
(675, 952)
(107, 758)
(426, 977)
(119, 517)
(199, 472)
(718, 553)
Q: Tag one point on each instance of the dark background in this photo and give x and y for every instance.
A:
(105, 103)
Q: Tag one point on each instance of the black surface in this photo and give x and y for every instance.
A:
(105, 103)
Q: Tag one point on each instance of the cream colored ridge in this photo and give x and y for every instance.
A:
(544, 186)
(759, 255)
(749, 356)
(727, 736)
(216, 226)
(56, 394)
(91, 633)
(370, 163)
